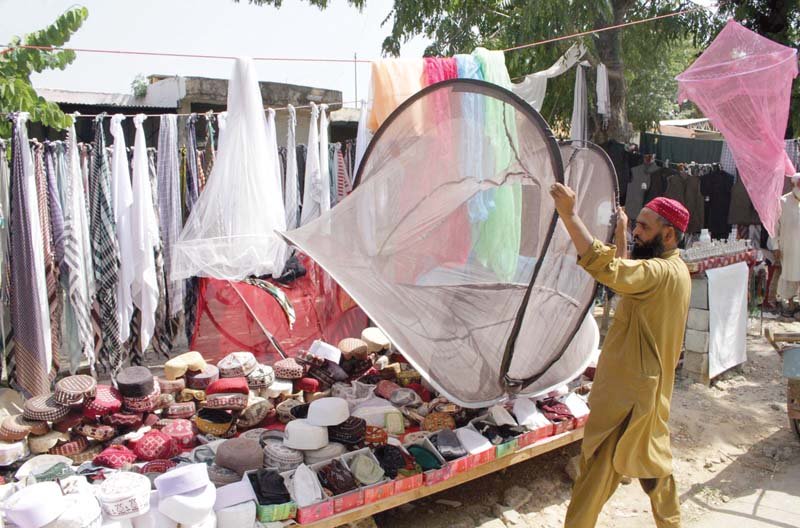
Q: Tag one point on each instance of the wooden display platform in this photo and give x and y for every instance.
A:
(524, 454)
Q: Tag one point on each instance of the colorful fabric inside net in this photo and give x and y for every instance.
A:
(477, 319)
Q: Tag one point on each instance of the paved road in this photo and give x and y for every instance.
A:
(775, 504)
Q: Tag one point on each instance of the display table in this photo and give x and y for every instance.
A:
(524, 454)
(716, 328)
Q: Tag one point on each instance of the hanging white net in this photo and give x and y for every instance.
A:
(449, 242)
(230, 233)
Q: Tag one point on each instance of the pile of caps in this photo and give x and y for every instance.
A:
(226, 444)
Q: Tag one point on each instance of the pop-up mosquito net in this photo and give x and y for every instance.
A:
(743, 83)
(449, 241)
(230, 232)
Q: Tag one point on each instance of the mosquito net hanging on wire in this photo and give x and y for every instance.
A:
(743, 84)
(449, 242)
(230, 232)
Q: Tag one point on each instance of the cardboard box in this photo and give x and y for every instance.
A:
(506, 448)
(272, 512)
(276, 512)
(312, 512)
(372, 492)
(531, 437)
(344, 501)
(403, 484)
(433, 476)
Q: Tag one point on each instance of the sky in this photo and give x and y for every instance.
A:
(216, 27)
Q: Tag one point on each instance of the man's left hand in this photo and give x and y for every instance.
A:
(564, 199)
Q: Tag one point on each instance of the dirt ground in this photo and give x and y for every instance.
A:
(729, 440)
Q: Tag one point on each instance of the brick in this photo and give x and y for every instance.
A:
(698, 320)
(696, 341)
(699, 298)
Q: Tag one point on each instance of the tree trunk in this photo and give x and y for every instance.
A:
(609, 52)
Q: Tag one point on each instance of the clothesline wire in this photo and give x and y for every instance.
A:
(204, 114)
(605, 28)
(349, 61)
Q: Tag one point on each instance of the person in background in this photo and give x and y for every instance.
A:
(627, 433)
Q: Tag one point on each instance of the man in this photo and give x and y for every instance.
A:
(627, 433)
(786, 247)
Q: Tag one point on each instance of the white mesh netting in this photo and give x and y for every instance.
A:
(449, 242)
(743, 83)
(230, 233)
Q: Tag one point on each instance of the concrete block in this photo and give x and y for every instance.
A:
(696, 341)
(695, 362)
(698, 320)
(699, 298)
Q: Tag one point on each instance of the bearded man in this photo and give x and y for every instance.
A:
(627, 432)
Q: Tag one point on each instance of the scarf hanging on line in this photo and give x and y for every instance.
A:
(106, 252)
(30, 359)
(77, 268)
(190, 198)
(50, 263)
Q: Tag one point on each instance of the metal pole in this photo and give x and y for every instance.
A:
(355, 72)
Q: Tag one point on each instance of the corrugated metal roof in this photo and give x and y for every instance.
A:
(96, 99)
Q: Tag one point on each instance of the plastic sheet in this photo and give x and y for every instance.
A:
(464, 324)
(231, 315)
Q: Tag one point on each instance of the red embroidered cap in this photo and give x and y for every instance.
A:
(671, 210)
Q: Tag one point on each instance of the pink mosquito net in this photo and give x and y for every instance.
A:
(743, 84)
(461, 167)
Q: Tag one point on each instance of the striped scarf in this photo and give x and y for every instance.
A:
(54, 299)
(166, 327)
(28, 362)
(190, 199)
(169, 201)
(77, 260)
(106, 251)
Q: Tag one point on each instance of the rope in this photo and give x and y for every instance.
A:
(336, 60)
(600, 30)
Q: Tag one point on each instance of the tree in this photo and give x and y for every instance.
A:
(778, 20)
(17, 64)
(642, 60)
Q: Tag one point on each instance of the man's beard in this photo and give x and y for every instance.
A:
(647, 250)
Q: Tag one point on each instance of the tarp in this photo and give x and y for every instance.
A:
(234, 315)
(405, 248)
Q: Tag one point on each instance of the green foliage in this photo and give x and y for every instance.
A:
(139, 86)
(17, 64)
